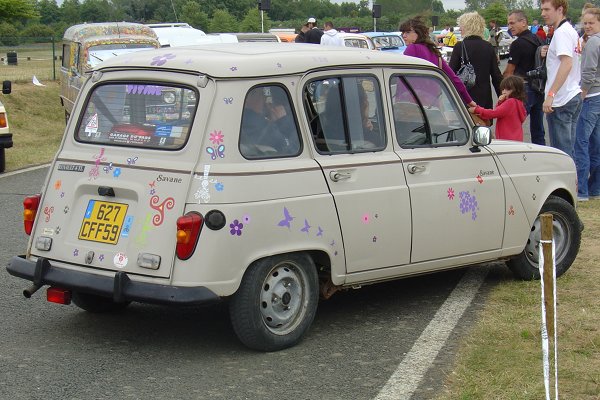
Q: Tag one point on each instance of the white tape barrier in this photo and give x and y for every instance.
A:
(545, 340)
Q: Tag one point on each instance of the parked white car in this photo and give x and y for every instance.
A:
(272, 175)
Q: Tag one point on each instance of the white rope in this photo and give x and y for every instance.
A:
(545, 341)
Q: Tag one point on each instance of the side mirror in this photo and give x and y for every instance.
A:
(6, 87)
(482, 136)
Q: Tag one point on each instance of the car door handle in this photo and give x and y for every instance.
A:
(337, 176)
(414, 168)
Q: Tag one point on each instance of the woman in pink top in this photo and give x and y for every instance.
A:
(510, 110)
(416, 35)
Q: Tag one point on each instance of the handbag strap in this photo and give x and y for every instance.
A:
(464, 54)
(440, 62)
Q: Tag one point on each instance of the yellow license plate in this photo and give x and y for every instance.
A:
(102, 221)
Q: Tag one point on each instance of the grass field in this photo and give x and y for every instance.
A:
(33, 59)
(501, 356)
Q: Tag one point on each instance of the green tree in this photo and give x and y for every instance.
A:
(223, 21)
(70, 12)
(11, 10)
(96, 11)
(48, 11)
(496, 11)
(437, 7)
(192, 13)
(252, 21)
(37, 30)
(9, 35)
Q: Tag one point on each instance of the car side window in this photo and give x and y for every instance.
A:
(425, 114)
(268, 127)
(345, 114)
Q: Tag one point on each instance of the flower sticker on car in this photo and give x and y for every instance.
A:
(161, 60)
(236, 228)
(216, 137)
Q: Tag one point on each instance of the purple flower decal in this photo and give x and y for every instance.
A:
(76, 252)
(467, 204)
(101, 258)
(236, 228)
(160, 60)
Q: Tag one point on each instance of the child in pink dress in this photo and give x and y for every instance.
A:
(510, 110)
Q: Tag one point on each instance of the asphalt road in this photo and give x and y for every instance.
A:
(358, 347)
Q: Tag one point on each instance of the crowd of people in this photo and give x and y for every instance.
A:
(570, 98)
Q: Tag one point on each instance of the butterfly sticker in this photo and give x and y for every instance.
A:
(108, 168)
(306, 227)
(320, 231)
(131, 160)
(220, 151)
(228, 100)
(287, 218)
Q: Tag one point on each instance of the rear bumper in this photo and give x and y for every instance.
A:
(120, 288)
(6, 140)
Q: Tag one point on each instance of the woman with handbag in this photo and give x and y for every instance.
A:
(416, 35)
(481, 55)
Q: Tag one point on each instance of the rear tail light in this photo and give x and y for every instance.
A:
(188, 232)
(3, 123)
(58, 295)
(30, 207)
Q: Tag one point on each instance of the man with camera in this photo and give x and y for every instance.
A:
(563, 94)
(521, 62)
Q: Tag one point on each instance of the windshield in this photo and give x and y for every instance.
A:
(138, 115)
(388, 41)
(102, 52)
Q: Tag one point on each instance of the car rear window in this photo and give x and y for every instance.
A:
(138, 115)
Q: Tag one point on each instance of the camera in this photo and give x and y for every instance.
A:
(538, 73)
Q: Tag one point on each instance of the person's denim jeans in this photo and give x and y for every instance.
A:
(587, 148)
(562, 124)
(533, 105)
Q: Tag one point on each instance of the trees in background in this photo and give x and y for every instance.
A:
(20, 17)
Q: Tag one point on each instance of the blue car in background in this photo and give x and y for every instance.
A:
(386, 41)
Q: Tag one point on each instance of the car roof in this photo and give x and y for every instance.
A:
(105, 30)
(238, 60)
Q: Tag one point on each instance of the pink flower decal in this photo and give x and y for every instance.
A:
(366, 219)
(216, 137)
(450, 194)
(161, 60)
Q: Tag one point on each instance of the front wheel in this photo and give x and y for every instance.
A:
(566, 232)
(276, 302)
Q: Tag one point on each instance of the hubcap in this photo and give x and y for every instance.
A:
(283, 298)
(560, 232)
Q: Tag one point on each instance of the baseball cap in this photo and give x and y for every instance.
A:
(311, 20)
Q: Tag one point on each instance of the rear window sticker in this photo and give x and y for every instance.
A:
(163, 130)
(91, 127)
(150, 90)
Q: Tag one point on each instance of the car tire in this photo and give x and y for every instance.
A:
(2, 160)
(97, 304)
(276, 302)
(566, 235)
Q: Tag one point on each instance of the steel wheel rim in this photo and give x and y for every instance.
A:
(561, 236)
(283, 298)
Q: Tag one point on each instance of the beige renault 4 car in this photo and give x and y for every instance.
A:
(272, 175)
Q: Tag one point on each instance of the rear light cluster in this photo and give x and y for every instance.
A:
(58, 295)
(188, 232)
(3, 122)
(30, 207)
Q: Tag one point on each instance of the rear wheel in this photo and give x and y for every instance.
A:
(97, 304)
(566, 229)
(276, 302)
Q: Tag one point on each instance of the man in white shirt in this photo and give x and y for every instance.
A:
(331, 36)
(563, 94)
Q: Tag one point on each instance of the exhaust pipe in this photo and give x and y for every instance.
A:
(31, 290)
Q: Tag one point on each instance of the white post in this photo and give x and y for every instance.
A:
(262, 22)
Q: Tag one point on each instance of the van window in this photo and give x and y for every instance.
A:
(138, 115)
(425, 114)
(345, 114)
(66, 55)
(268, 127)
(102, 52)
